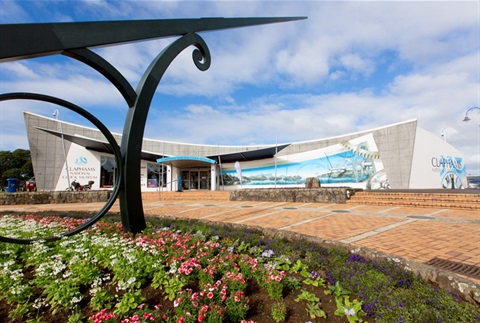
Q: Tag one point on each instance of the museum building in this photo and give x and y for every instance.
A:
(397, 156)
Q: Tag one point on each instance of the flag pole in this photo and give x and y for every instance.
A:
(276, 150)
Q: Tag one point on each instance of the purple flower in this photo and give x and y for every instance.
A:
(314, 275)
(268, 253)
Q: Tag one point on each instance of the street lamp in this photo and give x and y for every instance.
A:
(55, 114)
(466, 119)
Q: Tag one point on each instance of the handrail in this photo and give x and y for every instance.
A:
(166, 184)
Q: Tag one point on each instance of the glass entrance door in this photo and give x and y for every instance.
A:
(205, 180)
(193, 182)
(196, 180)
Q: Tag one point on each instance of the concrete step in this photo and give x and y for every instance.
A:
(187, 196)
(436, 200)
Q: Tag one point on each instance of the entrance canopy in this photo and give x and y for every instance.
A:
(186, 161)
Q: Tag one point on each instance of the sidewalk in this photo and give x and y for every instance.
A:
(418, 234)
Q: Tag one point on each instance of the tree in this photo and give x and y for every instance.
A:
(16, 164)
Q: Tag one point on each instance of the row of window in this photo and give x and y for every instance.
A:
(156, 173)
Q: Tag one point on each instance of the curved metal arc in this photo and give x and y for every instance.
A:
(136, 120)
(102, 66)
(22, 41)
(154, 73)
(108, 136)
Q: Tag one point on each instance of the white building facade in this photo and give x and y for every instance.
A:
(398, 156)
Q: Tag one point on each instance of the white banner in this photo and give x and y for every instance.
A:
(239, 171)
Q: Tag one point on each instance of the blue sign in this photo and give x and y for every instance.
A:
(195, 158)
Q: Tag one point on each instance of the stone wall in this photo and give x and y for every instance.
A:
(306, 195)
(53, 197)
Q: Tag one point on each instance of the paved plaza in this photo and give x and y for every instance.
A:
(414, 233)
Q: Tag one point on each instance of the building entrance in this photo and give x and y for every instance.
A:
(196, 180)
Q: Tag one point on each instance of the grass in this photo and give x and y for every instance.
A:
(191, 271)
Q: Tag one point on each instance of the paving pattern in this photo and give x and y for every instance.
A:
(413, 233)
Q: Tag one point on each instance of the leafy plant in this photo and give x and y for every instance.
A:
(314, 279)
(279, 311)
(313, 304)
(337, 290)
(128, 302)
(351, 310)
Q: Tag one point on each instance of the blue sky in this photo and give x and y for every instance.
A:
(350, 66)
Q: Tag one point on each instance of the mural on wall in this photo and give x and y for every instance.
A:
(451, 170)
(349, 162)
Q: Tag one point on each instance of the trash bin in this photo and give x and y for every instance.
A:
(12, 185)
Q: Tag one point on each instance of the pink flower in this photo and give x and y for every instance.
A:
(210, 295)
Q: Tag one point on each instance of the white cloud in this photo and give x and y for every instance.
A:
(350, 66)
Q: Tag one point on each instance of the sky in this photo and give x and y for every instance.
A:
(350, 66)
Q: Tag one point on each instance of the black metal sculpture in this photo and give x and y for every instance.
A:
(21, 41)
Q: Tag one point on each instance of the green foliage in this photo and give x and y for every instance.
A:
(102, 299)
(307, 296)
(300, 267)
(129, 302)
(351, 310)
(337, 290)
(170, 284)
(313, 304)
(314, 279)
(20, 312)
(279, 310)
(314, 310)
(292, 283)
(237, 306)
(109, 269)
(275, 289)
(16, 164)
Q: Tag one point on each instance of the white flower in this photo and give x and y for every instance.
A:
(76, 299)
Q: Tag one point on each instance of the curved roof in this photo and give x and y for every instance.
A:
(181, 161)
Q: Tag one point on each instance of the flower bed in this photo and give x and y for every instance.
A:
(178, 272)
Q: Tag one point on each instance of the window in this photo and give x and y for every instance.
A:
(107, 173)
(156, 175)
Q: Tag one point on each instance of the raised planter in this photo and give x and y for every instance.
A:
(53, 197)
(337, 195)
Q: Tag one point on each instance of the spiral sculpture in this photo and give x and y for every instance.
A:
(23, 41)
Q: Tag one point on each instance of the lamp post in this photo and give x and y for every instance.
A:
(466, 119)
(55, 114)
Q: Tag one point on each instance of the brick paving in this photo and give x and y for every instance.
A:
(413, 233)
